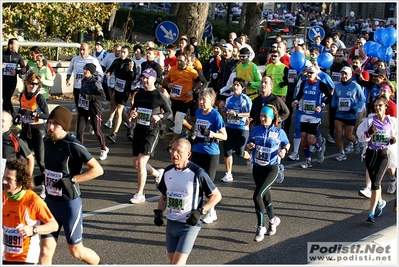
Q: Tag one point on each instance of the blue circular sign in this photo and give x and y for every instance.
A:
(167, 32)
(316, 31)
(207, 30)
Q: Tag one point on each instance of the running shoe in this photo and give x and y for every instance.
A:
(159, 177)
(108, 124)
(356, 148)
(391, 187)
(43, 192)
(349, 147)
(370, 217)
(273, 223)
(91, 131)
(320, 154)
(307, 164)
(213, 214)
(260, 233)
(137, 198)
(380, 206)
(250, 165)
(130, 133)
(172, 129)
(312, 149)
(126, 124)
(341, 157)
(227, 178)
(104, 153)
(365, 192)
(208, 218)
(294, 156)
(280, 176)
(330, 139)
(112, 137)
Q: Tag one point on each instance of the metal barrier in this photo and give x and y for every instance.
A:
(48, 44)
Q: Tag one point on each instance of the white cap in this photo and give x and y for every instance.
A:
(347, 70)
(228, 47)
(300, 41)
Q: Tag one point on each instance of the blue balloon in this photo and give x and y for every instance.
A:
(373, 51)
(385, 53)
(378, 35)
(367, 46)
(325, 60)
(389, 36)
(298, 61)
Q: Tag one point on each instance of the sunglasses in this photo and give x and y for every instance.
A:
(243, 56)
(339, 55)
(379, 105)
(274, 56)
(34, 84)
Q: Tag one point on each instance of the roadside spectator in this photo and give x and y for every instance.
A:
(45, 75)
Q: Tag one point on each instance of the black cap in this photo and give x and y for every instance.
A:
(379, 72)
(99, 42)
(91, 67)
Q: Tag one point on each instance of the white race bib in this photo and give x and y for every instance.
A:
(51, 178)
(344, 104)
(83, 103)
(13, 241)
(120, 85)
(262, 155)
(8, 68)
(176, 90)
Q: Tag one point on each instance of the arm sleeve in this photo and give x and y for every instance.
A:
(166, 107)
(257, 77)
(324, 89)
(47, 80)
(41, 101)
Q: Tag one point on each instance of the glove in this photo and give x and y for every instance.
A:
(38, 179)
(17, 119)
(193, 217)
(282, 84)
(392, 140)
(352, 111)
(372, 130)
(63, 183)
(204, 131)
(158, 221)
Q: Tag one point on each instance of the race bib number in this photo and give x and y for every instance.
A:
(291, 76)
(13, 241)
(51, 178)
(380, 138)
(233, 119)
(83, 103)
(262, 155)
(175, 202)
(336, 77)
(309, 106)
(201, 124)
(9, 68)
(176, 90)
(344, 104)
(120, 85)
(79, 76)
(144, 116)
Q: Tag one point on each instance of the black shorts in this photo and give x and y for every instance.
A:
(236, 140)
(346, 122)
(121, 97)
(76, 93)
(310, 128)
(145, 141)
(181, 106)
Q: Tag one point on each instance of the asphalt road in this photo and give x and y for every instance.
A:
(315, 205)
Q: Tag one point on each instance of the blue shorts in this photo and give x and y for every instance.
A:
(68, 214)
(180, 237)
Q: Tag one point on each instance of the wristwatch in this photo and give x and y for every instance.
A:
(160, 116)
(73, 180)
(203, 211)
(35, 230)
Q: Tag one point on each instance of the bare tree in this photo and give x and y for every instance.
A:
(191, 18)
(251, 28)
(243, 15)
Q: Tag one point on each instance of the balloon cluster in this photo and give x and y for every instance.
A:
(384, 38)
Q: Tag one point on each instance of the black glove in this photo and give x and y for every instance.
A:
(372, 130)
(158, 221)
(63, 183)
(17, 119)
(281, 85)
(352, 111)
(86, 96)
(193, 217)
(39, 179)
(392, 140)
(204, 131)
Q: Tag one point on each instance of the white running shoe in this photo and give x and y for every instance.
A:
(349, 147)
(280, 176)
(330, 139)
(43, 192)
(208, 218)
(341, 157)
(91, 131)
(137, 198)
(312, 149)
(104, 153)
(108, 124)
(391, 187)
(356, 148)
(307, 164)
(320, 154)
(260, 233)
(273, 223)
(227, 178)
(294, 156)
(365, 192)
